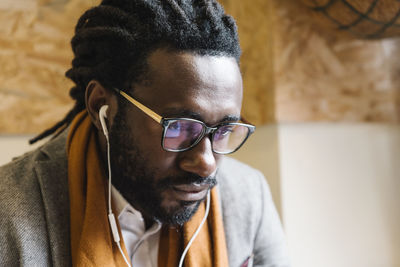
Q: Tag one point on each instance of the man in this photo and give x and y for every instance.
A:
(158, 96)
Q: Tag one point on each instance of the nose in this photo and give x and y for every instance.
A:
(200, 159)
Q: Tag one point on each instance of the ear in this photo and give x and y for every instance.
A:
(95, 97)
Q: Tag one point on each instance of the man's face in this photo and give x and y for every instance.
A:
(169, 186)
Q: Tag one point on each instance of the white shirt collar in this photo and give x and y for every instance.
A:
(119, 201)
(133, 232)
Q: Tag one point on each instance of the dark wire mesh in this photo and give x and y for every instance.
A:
(363, 18)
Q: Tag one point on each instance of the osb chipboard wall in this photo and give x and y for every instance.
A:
(255, 33)
(322, 74)
(363, 18)
(34, 55)
(294, 70)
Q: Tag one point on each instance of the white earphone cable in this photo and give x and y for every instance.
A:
(111, 217)
(109, 175)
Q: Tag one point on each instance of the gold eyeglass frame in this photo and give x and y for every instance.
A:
(164, 122)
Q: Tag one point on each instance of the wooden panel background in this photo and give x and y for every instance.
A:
(322, 74)
(35, 53)
(294, 69)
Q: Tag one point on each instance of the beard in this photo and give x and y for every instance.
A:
(136, 180)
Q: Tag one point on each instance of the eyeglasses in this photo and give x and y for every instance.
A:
(181, 134)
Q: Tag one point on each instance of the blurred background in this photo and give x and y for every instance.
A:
(322, 84)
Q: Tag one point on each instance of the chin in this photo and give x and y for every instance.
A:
(178, 215)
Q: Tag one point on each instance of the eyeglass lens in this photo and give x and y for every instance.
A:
(229, 137)
(182, 134)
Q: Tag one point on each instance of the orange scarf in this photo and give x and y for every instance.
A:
(91, 238)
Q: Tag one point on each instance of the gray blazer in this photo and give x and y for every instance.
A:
(34, 211)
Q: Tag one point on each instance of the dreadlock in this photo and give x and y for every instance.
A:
(113, 40)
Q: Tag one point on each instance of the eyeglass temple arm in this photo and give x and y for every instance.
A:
(140, 106)
(245, 121)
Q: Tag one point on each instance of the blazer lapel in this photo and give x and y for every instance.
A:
(51, 170)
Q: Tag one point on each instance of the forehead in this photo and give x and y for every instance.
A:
(208, 85)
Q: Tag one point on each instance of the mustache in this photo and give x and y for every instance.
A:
(188, 178)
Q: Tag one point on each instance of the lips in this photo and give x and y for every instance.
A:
(190, 192)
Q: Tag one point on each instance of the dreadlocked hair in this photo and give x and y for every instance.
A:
(113, 40)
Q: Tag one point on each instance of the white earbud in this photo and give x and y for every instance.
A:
(103, 116)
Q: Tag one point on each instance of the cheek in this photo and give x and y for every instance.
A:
(148, 136)
(147, 133)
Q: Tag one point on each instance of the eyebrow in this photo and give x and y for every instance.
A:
(185, 113)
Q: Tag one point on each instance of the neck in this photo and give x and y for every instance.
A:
(148, 222)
